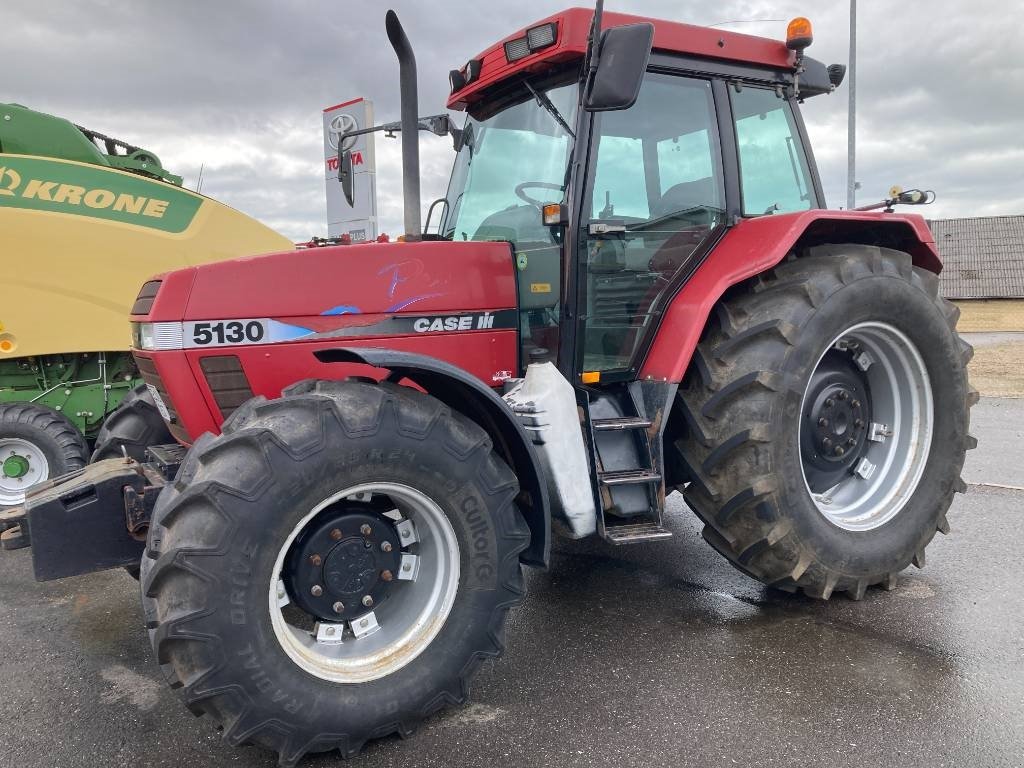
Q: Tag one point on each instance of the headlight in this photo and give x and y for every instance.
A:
(157, 336)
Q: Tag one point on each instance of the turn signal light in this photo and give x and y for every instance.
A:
(799, 34)
(553, 214)
(590, 377)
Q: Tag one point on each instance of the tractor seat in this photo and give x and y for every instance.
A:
(687, 195)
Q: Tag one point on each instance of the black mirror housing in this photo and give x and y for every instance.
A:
(621, 64)
(346, 177)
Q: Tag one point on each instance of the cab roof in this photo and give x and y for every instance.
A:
(571, 43)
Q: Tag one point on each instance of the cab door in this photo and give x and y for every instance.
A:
(656, 197)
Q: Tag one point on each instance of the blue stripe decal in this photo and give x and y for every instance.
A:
(343, 309)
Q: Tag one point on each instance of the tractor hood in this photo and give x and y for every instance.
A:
(372, 289)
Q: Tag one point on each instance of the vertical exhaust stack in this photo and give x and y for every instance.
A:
(410, 125)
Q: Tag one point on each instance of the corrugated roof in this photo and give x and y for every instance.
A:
(983, 257)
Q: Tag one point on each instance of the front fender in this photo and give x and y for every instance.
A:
(463, 392)
(755, 245)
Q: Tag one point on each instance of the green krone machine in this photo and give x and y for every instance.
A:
(85, 219)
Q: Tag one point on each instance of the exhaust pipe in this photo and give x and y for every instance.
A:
(410, 125)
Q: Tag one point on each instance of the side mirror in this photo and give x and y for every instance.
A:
(621, 64)
(346, 177)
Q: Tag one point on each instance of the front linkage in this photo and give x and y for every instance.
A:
(92, 519)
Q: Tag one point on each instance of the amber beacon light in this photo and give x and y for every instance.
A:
(799, 34)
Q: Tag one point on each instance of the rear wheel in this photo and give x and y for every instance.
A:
(334, 567)
(134, 425)
(36, 444)
(828, 413)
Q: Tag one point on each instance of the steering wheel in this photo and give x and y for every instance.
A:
(539, 185)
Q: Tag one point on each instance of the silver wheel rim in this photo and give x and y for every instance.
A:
(13, 489)
(387, 638)
(899, 435)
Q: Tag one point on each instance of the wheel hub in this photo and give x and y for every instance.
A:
(344, 564)
(888, 413)
(16, 466)
(836, 420)
(22, 465)
(385, 623)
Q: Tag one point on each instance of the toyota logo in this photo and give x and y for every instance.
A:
(340, 124)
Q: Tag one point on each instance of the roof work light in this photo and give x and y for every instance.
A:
(535, 39)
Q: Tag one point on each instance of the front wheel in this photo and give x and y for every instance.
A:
(134, 425)
(36, 444)
(334, 567)
(828, 412)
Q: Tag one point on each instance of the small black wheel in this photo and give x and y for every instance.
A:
(828, 410)
(36, 444)
(134, 425)
(334, 567)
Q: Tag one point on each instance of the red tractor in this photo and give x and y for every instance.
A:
(633, 288)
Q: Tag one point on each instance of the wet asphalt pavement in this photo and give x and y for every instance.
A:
(655, 655)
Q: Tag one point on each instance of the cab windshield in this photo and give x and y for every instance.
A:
(512, 160)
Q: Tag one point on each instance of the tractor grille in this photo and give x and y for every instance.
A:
(144, 302)
(149, 374)
(227, 381)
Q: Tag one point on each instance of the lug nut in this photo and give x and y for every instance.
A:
(843, 395)
(368, 601)
(851, 442)
(385, 546)
(315, 559)
(822, 422)
(386, 575)
(829, 402)
(339, 607)
(858, 423)
(855, 404)
(316, 591)
(365, 529)
(336, 534)
(826, 443)
(839, 451)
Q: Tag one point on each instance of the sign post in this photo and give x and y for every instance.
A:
(359, 220)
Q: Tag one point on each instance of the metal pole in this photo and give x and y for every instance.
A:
(851, 129)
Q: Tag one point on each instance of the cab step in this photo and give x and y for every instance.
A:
(636, 532)
(629, 477)
(626, 422)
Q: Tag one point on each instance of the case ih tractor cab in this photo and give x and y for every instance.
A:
(633, 289)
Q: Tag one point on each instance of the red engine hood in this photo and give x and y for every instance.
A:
(371, 279)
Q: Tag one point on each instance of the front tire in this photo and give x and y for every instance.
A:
(134, 425)
(255, 567)
(828, 413)
(36, 444)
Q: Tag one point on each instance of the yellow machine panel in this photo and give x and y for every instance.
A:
(78, 240)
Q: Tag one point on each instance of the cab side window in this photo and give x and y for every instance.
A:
(774, 176)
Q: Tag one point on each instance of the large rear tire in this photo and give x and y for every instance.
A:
(36, 444)
(134, 425)
(828, 413)
(268, 550)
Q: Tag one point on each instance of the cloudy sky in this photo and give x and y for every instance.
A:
(238, 87)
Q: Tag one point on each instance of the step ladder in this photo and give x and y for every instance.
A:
(623, 444)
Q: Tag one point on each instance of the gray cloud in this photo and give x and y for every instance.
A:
(237, 88)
